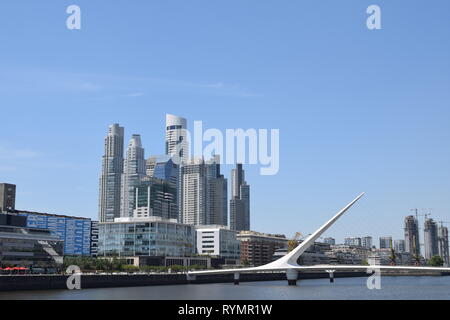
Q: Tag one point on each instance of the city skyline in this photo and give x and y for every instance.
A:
(364, 116)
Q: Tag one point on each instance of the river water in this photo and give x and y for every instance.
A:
(392, 288)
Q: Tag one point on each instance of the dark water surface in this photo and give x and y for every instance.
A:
(392, 288)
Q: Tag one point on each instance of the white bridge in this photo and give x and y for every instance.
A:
(289, 263)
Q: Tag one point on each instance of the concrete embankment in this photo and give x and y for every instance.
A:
(54, 282)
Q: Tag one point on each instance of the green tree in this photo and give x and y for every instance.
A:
(436, 261)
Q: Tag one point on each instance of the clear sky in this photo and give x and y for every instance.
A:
(358, 110)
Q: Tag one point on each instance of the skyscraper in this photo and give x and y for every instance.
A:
(134, 170)
(443, 245)
(431, 238)
(412, 243)
(156, 198)
(163, 167)
(240, 201)
(385, 242)
(176, 138)
(111, 176)
(217, 194)
(194, 193)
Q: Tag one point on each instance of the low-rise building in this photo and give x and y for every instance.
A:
(349, 255)
(28, 247)
(257, 249)
(220, 242)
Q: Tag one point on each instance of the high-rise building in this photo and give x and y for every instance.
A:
(257, 249)
(7, 197)
(240, 201)
(111, 176)
(385, 242)
(330, 241)
(217, 194)
(156, 198)
(399, 246)
(163, 167)
(443, 245)
(176, 138)
(134, 170)
(194, 193)
(431, 239)
(412, 242)
(366, 242)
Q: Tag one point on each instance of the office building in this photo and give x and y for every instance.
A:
(431, 239)
(412, 241)
(163, 167)
(366, 242)
(153, 236)
(28, 247)
(176, 139)
(134, 171)
(240, 202)
(399, 246)
(217, 194)
(443, 244)
(194, 193)
(75, 232)
(257, 249)
(330, 241)
(156, 198)
(220, 242)
(111, 176)
(7, 197)
(385, 242)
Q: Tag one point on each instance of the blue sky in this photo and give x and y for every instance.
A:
(357, 110)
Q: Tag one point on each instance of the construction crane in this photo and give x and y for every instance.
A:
(293, 243)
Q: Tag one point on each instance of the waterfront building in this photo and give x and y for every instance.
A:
(27, 247)
(194, 193)
(7, 197)
(412, 241)
(152, 236)
(75, 232)
(385, 257)
(366, 242)
(155, 198)
(330, 241)
(111, 176)
(176, 138)
(315, 255)
(240, 202)
(134, 171)
(443, 244)
(218, 241)
(385, 242)
(399, 246)
(257, 249)
(431, 239)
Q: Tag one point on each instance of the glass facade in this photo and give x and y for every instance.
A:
(157, 238)
(75, 232)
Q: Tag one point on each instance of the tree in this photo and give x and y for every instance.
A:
(436, 261)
